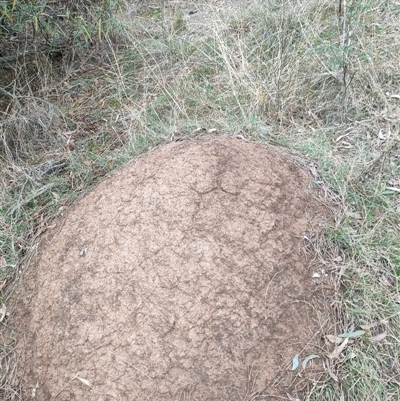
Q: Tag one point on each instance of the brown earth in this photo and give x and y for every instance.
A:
(181, 277)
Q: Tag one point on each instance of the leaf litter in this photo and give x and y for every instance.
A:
(308, 359)
(338, 350)
(295, 362)
(353, 334)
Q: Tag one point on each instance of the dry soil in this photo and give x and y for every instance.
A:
(181, 277)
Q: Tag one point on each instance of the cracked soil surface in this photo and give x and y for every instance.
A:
(181, 277)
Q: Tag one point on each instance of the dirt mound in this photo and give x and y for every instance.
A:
(181, 277)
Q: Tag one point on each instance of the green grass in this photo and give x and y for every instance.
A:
(296, 74)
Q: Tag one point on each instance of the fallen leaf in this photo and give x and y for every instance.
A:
(333, 376)
(3, 284)
(295, 363)
(382, 136)
(70, 144)
(385, 281)
(379, 337)
(68, 134)
(394, 189)
(338, 350)
(316, 275)
(291, 398)
(198, 130)
(346, 145)
(328, 369)
(34, 390)
(85, 382)
(341, 137)
(3, 312)
(352, 355)
(3, 261)
(334, 339)
(378, 213)
(304, 364)
(354, 215)
(395, 96)
(338, 259)
(352, 334)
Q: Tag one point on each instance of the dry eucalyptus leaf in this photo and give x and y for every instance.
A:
(379, 337)
(378, 213)
(69, 133)
(394, 189)
(382, 136)
(352, 355)
(85, 382)
(334, 339)
(346, 145)
(338, 350)
(328, 369)
(34, 390)
(292, 398)
(70, 144)
(309, 358)
(333, 376)
(295, 362)
(385, 281)
(341, 137)
(354, 215)
(3, 261)
(352, 334)
(3, 312)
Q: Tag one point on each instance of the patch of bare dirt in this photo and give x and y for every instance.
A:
(181, 277)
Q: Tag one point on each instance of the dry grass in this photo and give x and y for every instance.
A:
(298, 74)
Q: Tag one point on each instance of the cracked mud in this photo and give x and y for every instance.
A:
(181, 277)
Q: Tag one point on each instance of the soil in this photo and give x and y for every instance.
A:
(180, 277)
